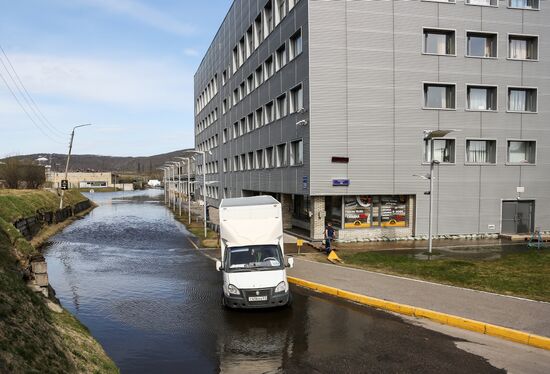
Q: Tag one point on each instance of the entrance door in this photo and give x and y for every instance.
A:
(518, 217)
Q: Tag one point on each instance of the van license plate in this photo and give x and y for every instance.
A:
(257, 298)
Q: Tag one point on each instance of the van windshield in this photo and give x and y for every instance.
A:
(254, 257)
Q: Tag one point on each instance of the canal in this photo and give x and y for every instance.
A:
(130, 274)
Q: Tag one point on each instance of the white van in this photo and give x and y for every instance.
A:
(253, 263)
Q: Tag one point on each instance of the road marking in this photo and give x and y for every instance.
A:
(427, 282)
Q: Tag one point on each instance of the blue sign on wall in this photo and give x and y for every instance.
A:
(304, 182)
(340, 182)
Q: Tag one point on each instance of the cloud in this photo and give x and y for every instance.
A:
(144, 14)
(191, 52)
(133, 82)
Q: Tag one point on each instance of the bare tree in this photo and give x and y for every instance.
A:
(10, 172)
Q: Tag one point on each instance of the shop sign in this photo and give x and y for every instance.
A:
(340, 182)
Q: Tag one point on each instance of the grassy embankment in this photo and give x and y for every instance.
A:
(196, 227)
(525, 274)
(34, 339)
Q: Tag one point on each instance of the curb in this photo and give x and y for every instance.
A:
(443, 318)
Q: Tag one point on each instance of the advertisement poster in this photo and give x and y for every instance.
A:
(357, 212)
(393, 211)
(366, 211)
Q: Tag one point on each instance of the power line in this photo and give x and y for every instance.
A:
(27, 113)
(34, 107)
(54, 131)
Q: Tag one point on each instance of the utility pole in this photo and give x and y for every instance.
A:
(68, 159)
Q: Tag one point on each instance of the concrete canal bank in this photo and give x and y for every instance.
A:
(36, 333)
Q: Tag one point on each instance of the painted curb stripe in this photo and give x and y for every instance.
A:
(443, 318)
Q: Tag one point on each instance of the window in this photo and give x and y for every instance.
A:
(296, 99)
(268, 18)
(443, 150)
(235, 96)
(236, 163)
(269, 157)
(481, 98)
(522, 99)
(242, 162)
(481, 151)
(268, 68)
(268, 112)
(224, 77)
(259, 117)
(521, 151)
(439, 42)
(242, 127)
(242, 91)
(250, 83)
(442, 1)
(280, 11)
(235, 130)
(235, 60)
(481, 44)
(225, 165)
(482, 2)
(259, 76)
(524, 4)
(259, 159)
(224, 106)
(297, 152)
(250, 161)
(439, 96)
(250, 122)
(242, 51)
(249, 42)
(225, 135)
(291, 4)
(281, 155)
(280, 57)
(295, 45)
(258, 31)
(281, 107)
(523, 47)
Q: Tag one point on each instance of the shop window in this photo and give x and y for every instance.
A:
(375, 211)
(301, 208)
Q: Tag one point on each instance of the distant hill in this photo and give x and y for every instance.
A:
(134, 165)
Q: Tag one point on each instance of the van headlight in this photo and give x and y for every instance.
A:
(233, 290)
(281, 287)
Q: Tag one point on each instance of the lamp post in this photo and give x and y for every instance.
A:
(429, 136)
(203, 153)
(187, 159)
(68, 158)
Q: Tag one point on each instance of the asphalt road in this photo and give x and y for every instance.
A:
(129, 273)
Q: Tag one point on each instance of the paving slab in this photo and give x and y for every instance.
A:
(508, 311)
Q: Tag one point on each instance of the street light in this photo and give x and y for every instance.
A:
(171, 165)
(68, 158)
(429, 135)
(165, 192)
(188, 160)
(203, 153)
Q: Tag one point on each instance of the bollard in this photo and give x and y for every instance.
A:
(299, 244)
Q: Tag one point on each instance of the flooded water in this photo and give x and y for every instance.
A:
(129, 273)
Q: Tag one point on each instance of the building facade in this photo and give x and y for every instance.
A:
(323, 104)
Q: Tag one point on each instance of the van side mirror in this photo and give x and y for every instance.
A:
(290, 262)
(219, 265)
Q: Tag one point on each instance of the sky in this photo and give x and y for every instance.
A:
(125, 66)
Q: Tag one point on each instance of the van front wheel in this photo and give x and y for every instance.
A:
(223, 302)
(289, 302)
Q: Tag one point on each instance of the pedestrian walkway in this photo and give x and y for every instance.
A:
(516, 313)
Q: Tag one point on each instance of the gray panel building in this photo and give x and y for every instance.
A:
(323, 104)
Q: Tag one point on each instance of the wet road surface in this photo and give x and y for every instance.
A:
(129, 273)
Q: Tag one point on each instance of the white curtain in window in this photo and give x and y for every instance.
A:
(477, 151)
(518, 48)
(519, 4)
(517, 152)
(478, 99)
(517, 100)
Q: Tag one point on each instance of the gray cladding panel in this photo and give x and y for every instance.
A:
(366, 76)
